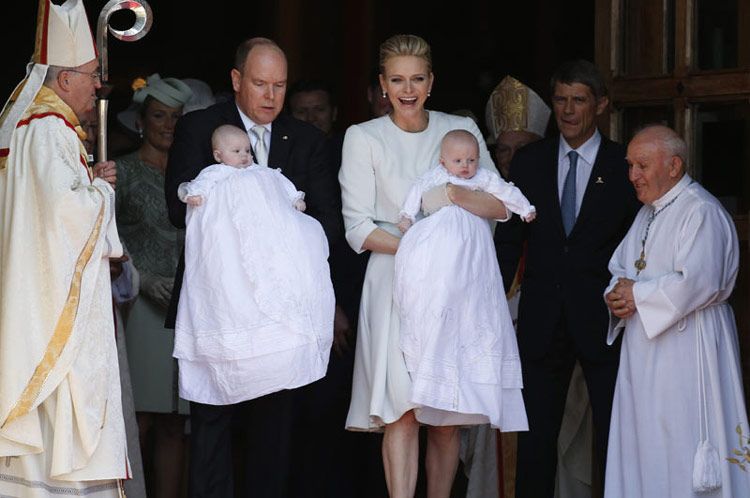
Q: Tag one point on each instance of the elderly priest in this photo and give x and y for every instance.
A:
(678, 397)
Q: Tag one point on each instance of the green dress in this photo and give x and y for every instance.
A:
(154, 246)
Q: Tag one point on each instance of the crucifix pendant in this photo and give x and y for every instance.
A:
(640, 263)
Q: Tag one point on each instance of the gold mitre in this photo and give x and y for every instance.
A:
(63, 35)
(513, 106)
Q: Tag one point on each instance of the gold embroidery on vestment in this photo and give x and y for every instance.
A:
(63, 328)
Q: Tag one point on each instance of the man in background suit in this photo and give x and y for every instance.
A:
(259, 80)
(578, 182)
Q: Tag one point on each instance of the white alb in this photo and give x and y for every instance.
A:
(683, 324)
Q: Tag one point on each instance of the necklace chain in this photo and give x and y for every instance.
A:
(640, 263)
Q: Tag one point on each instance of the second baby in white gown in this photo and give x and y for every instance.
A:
(256, 309)
(457, 335)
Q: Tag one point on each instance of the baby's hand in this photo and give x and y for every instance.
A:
(531, 216)
(300, 205)
(194, 200)
(404, 224)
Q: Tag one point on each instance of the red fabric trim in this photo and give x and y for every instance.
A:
(28, 120)
(93, 42)
(4, 152)
(86, 165)
(43, 51)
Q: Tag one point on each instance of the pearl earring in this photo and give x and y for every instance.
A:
(385, 95)
(428, 94)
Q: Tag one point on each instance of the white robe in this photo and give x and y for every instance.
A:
(256, 306)
(61, 418)
(691, 265)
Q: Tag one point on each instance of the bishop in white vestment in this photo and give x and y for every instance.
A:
(679, 397)
(61, 422)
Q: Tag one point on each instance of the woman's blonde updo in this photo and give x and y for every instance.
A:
(401, 45)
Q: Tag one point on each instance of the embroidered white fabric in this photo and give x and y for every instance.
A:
(456, 331)
(256, 285)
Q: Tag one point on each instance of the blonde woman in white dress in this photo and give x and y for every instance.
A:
(381, 159)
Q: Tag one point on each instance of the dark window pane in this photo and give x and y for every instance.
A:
(634, 118)
(716, 41)
(647, 37)
(722, 152)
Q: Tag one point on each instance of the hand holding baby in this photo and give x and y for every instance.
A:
(531, 216)
(194, 200)
(404, 224)
(435, 199)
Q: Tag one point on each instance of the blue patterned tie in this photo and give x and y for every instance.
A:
(568, 201)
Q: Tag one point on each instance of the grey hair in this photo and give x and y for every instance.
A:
(676, 146)
(53, 72)
(246, 46)
(669, 139)
(580, 71)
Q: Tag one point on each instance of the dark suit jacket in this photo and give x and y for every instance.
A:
(347, 267)
(565, 277)
(298, 148)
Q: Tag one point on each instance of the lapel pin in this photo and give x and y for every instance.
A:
(599, 180)
(284, 137)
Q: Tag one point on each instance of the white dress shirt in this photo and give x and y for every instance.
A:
(249, 123)
(586, 156)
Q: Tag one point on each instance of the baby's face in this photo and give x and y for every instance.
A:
(460, 158)
(234, 150)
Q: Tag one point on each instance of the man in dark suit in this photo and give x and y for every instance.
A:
(334, 462)
(578, 182)
(259, 81)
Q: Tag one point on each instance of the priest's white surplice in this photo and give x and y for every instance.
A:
(61, 423)
(691, 255)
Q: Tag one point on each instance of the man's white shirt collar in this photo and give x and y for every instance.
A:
(587, 150)
(249, 123)
(586, 157)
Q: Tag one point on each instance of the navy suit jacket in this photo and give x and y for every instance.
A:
(298, 148)
(565, 277)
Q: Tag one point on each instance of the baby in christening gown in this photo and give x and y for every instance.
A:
(255, 314)
(456, 332)
(232, 149)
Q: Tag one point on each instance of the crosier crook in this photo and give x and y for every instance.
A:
(143, 19)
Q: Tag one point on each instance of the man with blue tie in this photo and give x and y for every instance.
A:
(579, 183)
